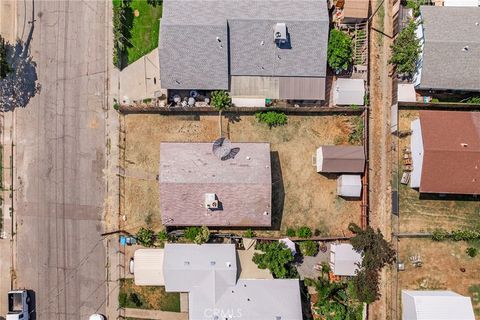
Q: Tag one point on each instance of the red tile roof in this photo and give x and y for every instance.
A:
(451, 162)
(243, 185)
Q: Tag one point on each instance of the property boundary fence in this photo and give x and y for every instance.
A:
(450, 106)
(146, 109)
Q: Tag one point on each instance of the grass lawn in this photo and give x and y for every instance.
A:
(144, 29)
(145, 297)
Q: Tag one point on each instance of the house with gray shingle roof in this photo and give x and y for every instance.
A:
(264, 49)
(450, 37)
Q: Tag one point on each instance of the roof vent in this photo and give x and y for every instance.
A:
(228, 264)
(464, 145)
(186, 263)
(218, 39)
(465, 48)
(211, 201)
(280, 33)
(212, 263)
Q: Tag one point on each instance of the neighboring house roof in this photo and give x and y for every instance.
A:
(447, 31)
(349, 92)
(451, 160)
(344, 259)
(339, 159)
(349, 185)
(148, 269)
(357, 9)
(243, 185)
(461, 3)
(436, 305)
(213, 288)
(192, 58)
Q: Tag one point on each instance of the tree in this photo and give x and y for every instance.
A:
(221, 101)
(145, 237)
(334, 302)
(4, 65)
(339, 51)
(376, 253)
(406, 51)
(308, 248)
(19, 84)
(276, 257)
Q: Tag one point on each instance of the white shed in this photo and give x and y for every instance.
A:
(148, 270)
(406, 92)
(349, 92)
(344, 260)
(290, 245)
(434, 305)
(349, 185)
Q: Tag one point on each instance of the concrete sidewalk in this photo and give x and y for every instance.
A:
(155, 314)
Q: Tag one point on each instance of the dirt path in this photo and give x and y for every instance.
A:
(380, 140)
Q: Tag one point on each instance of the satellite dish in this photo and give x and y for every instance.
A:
(221, 147)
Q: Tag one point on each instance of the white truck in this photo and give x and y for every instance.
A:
(18, 305)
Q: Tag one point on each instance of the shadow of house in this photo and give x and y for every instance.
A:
(278, 191)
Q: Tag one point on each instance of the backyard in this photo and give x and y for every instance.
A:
(145, 297)
(431, 212)
(445, 266)
(141, 28)
(301, 196)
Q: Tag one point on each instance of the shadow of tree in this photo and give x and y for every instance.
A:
(20, 84)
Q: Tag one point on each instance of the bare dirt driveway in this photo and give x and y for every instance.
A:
(59, 158)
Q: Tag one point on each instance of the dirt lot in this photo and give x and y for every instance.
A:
(432, 212)
(442, 262)
(300, 195)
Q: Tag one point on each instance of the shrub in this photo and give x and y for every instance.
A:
(304, 232)
(220, 100)
(5, 67)
(473, 100)
(308, 248)
(440, 235)
(145, 237)
(249, 233)
(339, 51)
(291, 232)
(276, 257)
(135, 299)
(162, 236)
(472, 252)
(406, 51)
(272, 118)
(197, 235)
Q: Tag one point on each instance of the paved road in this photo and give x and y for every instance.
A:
(59, 161)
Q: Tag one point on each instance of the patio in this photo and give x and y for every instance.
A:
(307, 267)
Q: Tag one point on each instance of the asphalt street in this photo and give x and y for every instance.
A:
(59, 160)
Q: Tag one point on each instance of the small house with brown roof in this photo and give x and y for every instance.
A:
(445, 148)
(199, 186)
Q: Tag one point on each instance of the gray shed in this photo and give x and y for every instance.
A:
(340, 159)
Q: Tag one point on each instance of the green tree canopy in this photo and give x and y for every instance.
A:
(406, 51)
(145, 237)
(376, 253)
(4, 65)
(220, 100)
(339, 51)
(276, 257)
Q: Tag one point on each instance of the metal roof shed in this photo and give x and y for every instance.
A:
(349, 185)
(429, 305)
(340, 159)
(344, 259)
(149, 267)
(349, 91)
